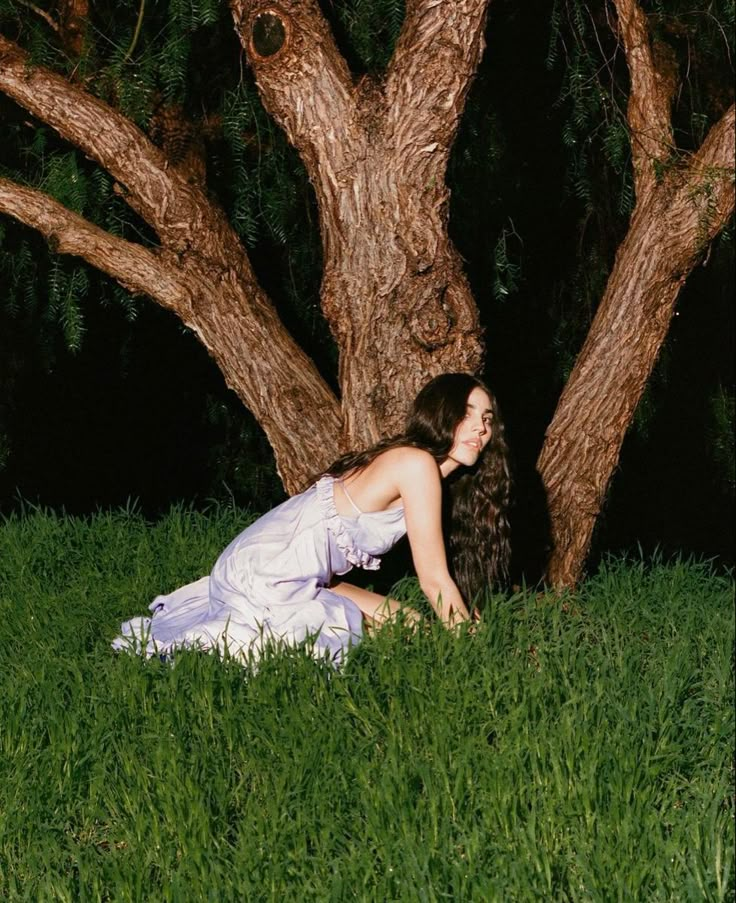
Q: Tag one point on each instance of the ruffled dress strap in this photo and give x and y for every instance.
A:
(349, 498)
(336, 525)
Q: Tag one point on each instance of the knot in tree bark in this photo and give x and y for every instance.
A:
(269, 33)
(431, 322)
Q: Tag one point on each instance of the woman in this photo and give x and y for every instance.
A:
(276, 580)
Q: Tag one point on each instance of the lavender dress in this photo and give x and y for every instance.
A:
(271, 583)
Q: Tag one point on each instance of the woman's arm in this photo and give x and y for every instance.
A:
(419, 483)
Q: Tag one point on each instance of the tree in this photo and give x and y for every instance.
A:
(376, 155)
(683, 200)
(393, 289)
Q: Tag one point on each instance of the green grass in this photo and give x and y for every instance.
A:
(576, 749)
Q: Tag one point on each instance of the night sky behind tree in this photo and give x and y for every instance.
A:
(104, 397)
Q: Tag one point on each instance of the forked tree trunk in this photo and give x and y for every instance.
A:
(674, 220)
(393, 290)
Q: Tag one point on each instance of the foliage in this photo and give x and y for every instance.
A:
(370, 29)
(723, 417)
(572, 748)
(479, 221)
(240, 463)
(695, 41)
(172, 72)
(596, 130)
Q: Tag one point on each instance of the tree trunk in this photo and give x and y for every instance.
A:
(670, 229)
(393, 290)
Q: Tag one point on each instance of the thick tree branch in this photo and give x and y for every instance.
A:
(667, 235)
(719, 146)
(650, 98)
(303, 79)
(257, 357)
(222, 301)
(161, 195)
(137, 268)
(436, 57)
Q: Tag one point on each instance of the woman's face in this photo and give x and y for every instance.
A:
(474, 431)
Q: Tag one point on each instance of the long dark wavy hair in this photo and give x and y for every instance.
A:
(476, 503)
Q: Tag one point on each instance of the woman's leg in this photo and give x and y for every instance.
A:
(376, 609)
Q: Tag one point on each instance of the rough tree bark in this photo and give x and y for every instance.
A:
(393, 289)
(682, 202)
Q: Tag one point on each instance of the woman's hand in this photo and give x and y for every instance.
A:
(456, 616)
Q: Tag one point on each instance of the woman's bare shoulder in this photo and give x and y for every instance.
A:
(407, 461)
